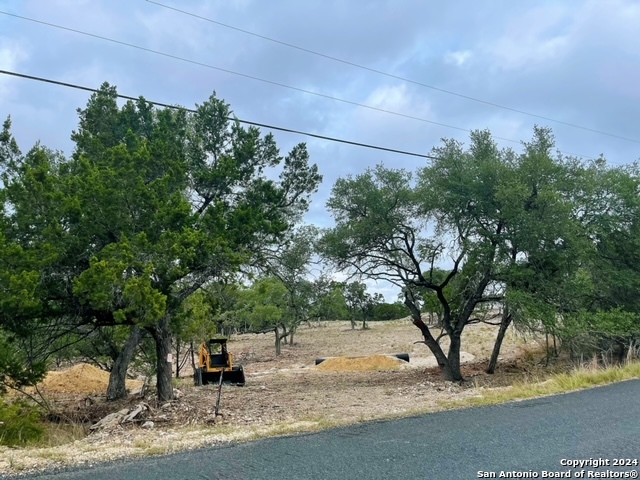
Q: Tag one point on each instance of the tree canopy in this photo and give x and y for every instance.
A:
(153, 204)
(479, 226)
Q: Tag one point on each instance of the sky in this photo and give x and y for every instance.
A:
(571, 62)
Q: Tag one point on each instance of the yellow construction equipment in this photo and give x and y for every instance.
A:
(215, 364)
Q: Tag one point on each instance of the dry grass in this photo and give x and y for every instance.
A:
(578, 379)
(57, 434)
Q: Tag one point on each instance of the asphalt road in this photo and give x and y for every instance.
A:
(529, 436)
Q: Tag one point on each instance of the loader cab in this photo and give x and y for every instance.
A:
(218, 354)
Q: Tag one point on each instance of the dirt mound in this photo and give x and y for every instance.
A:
(81, 378)
(361, 364)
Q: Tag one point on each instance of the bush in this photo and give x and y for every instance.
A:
(389, 311)
(612, 335)
(19, 424)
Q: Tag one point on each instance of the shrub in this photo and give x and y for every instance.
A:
(19, 424)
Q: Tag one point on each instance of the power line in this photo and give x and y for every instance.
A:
(390, 75)
(271, 82)
(194, 62)
(247, 122)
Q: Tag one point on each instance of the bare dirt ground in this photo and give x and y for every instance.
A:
(284, 394)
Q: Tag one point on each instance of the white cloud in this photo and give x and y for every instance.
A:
(11, 55)
(399, 132)
(525, 52)
(457, 58)
(395, 98)
(538, 35)
(93, 75)
(613, 24)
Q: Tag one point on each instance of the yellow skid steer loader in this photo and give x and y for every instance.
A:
(214, 362)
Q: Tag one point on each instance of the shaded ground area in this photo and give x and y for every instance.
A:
(283, 394)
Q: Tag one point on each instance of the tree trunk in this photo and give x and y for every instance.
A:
(504, 325)
(434, 346)
(353, 323)
(162, 336)
(454, 356)
(177, 359)
(193, 352)
(278, 338)
(622, 351)
(546, 339)
(291, 332)
(117, 378)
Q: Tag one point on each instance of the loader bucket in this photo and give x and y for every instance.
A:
(235, 376)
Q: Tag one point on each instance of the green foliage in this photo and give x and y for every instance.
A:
(101, 347)
(615, 225)
(604, 315)
(266, 304)
(153, 205)
(328, 301)
(17, 370)
(291, 265)
(194, 322)
(388, 311)
(19, 424)
(360, 303)
(505, 222)
(222, 300)
(612, 331)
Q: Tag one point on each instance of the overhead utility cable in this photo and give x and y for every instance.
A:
(247, 122)
(391, 75)
(194, 62)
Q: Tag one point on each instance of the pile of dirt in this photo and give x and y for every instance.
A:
(361, 364)
(81, 378)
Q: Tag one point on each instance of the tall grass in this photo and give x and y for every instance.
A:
(590, 375)
(56, 434)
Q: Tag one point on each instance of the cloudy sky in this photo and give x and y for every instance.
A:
(572, 62)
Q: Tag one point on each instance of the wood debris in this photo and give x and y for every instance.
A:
(120, 417)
